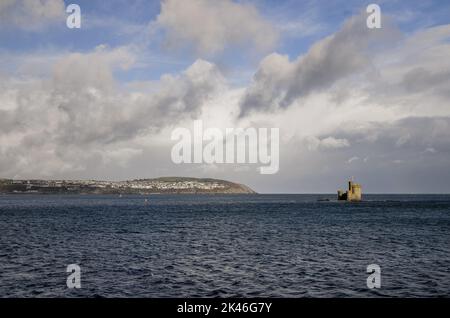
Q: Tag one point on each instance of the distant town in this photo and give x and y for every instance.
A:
(141, 186)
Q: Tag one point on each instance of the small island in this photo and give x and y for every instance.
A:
(165, 185)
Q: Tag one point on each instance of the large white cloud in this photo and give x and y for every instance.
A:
(48, 126)
(31, 14)
(209, 27)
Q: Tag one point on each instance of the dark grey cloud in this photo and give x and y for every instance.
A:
(403, 156)
(407, 136)
(420, 80)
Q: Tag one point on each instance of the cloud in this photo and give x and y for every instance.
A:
(81, 115)
(299, 28)
(407, 135)
(352, 159)
(388, 102)
(210, 27)
(415, 73)
(279, 82)
(314, 143)
(421, 143)
(31, 14)
(429, 150)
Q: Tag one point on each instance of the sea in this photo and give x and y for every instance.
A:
(162, 246)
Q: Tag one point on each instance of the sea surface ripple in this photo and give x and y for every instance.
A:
(224, 245)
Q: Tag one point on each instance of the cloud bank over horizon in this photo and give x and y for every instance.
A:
(373, 104)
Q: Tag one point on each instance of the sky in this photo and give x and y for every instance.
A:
(101, 101)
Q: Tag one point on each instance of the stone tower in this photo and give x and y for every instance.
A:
(354, 192)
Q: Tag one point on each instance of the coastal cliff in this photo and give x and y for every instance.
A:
(164, 185)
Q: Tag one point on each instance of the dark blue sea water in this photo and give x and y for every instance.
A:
(222, 246)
